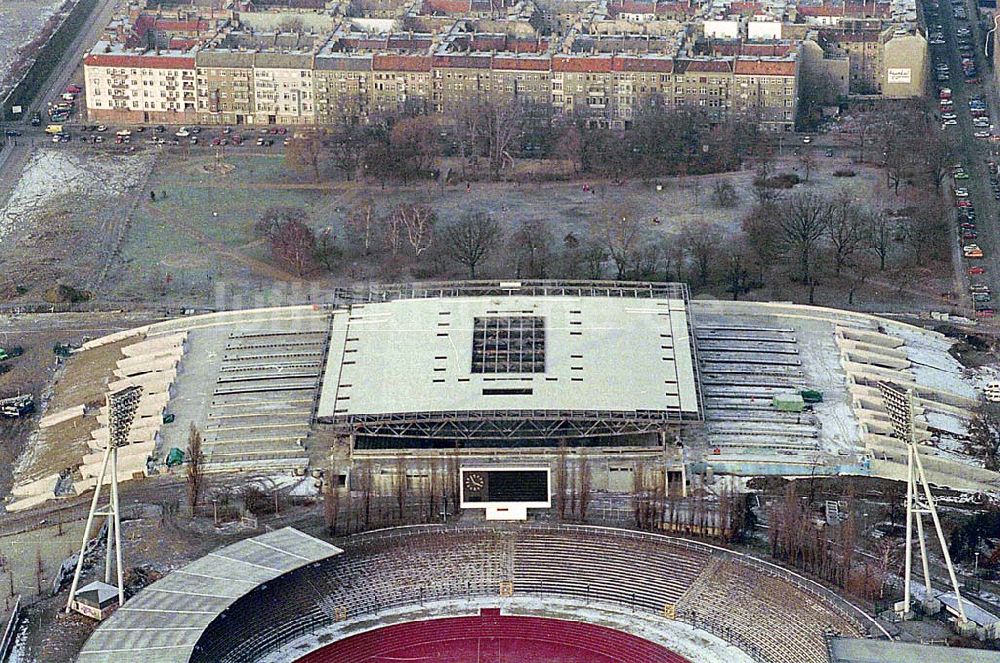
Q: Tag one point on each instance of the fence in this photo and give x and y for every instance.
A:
(10, 631)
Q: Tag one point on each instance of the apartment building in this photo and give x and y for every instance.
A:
(232, 88)
(891, 62)
(148, 88)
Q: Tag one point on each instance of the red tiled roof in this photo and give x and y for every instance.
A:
(143, 61)
(624, 63)
(404, 43)
(709, 65)
(446, 6)
(731, 48)
(521, 64)
(401, 63)
(582, 64)
(489, 43)
(462, 61)
(765, 67)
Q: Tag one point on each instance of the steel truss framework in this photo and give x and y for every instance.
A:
(510, 424)
(440, 289)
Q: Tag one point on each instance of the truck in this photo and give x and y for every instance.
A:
(17, 406)
(15, 351)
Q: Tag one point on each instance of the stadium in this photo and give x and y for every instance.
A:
(481, 403)
(619, 373)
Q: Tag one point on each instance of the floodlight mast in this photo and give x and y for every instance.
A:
(899, 406)
(122, 406)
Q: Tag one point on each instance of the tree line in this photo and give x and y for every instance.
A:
(658, 141)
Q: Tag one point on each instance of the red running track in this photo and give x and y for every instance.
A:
(492, 638)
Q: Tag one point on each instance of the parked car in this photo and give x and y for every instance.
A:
(977, 271)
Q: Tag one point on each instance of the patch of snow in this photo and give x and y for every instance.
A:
(947, 422)
(52, 174)
(932, 366)
(308, 487)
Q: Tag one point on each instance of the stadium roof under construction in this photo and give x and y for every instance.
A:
(611, 358)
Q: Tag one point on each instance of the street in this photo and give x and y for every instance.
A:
(972, 153)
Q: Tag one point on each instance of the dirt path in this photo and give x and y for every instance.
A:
(258, 266)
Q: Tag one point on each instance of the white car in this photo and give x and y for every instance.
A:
(961, 193)
(182, 133)
(982, 134)
(949, 123)
(949, 116)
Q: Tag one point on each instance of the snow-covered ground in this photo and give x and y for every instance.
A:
(22, 22)
(931, 364)
(52, 173)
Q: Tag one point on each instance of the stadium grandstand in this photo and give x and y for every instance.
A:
(284, 596)
(507, 373)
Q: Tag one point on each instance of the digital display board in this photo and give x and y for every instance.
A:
(484, 487)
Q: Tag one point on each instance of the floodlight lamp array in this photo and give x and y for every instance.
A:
(122, 406)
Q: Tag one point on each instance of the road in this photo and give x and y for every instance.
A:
(971, 152)
(15, 153)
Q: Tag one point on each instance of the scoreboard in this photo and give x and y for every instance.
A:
(491, 487)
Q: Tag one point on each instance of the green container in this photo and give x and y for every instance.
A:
(811, 396)
(175, 457)
(788, 403)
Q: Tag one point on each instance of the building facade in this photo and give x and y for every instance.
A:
(236, 88)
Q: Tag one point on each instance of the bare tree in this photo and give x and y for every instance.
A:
(302, 152)
(583, 484)
(724, 194)
(845, 230)
(471, 239)
(418, 223)
(295, 246)
(362, 222)
(500, 124)
(763, 184)
(808, 163)
(194, 467)
(402, 490)
(879, 231)
(530, 248)
(802, 220)
(701, 244)
(347, 146)
(273, 217)
(761, 237)
(327, 249)
(984, 435)
(562, 479)
(620, 231)
(860, 271)
(737, 275)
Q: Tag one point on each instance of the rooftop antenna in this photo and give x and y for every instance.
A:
(122, 406)
(899, 406)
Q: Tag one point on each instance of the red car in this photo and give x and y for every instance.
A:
(984, 313)
(963, 203)
(74, 89)
(969, 234)
(976, 271)
(968, 226)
